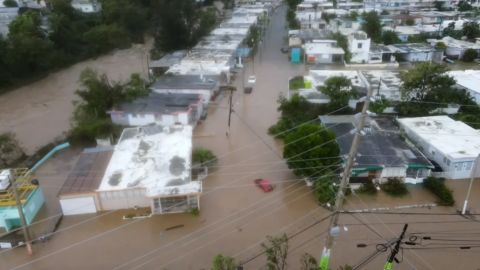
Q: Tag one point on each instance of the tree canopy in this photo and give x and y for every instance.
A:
(372, 26)
(471, 30)
(339, 89)
(309, 148)
(221, 262)
(469, 55)
(390, 37)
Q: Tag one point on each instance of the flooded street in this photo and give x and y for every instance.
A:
(235, 215)
(40, 112)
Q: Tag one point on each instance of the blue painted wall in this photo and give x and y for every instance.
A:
(9, 215)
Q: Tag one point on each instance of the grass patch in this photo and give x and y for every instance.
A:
(296, 83)
(437, 186)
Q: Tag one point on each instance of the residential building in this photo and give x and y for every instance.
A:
(87, 6)
(164, 109)
(455, 47)
(404, 5)
(416, 52)
(380, 53)
(451, 144)
(163, 64)
(382, 153)
(359, 47)
(344, 26)
(323, 52)
(311, 20)
(149, 167)
(31, 197)
(405, 32)
(468, 80)
(207, 86)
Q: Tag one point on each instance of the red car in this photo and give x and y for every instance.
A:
(263, 184)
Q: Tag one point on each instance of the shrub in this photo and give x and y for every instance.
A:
(204, 157)
(469, 55)
(368, 188)
(395, 187)
(195, 212)
(437, 186)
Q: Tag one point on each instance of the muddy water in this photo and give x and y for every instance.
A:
(235, 215)
(39, 112)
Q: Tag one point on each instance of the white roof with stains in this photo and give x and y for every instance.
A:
(155, 158)
(453, 138)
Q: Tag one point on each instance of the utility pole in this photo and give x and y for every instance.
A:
(26, 233)
(230, 110)
(333, 228)
(472, 177)
(396, 249)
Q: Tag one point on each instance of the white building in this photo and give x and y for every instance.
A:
(452, 144)
(149, 167)
(7, 15)
(87, 6)
(323, 52)
(455, 47)
(468, 80)
(359, 47)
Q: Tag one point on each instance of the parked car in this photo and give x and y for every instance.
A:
(284, 50)
(248, 89)
(263, 184)
(252, 79)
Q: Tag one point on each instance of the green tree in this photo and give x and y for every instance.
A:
(339, 89)
(221, 262)
(395, 187)
(131, 15)
(439, 5)
(325, 189)
(310, 148)
(5, 76)
(437, 186)
(353, 15)
(10, 3)
(276, 250)
(342, 42)
(30, 51)
(293, 23)
(103, 38)
(440, 46)
(423, 79)
(451, 32)
(390, 37)
(372, 26)
(204, 157)
(469, 55)
(464, 6)
(410, 21)
(471, 30)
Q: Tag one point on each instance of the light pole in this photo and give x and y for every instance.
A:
(472, 177)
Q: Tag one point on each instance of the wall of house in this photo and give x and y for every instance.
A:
(123, 199)
(359, 55)
(140, 119)
(419, 56)
(175, 204)
(9, 215)
(320, 58)
(390, 172)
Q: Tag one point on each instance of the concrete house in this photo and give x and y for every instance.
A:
(87, 6)
(7, 15)
(416, 52)
(359, 47)
(468, 80)
(160, 109)
(455, 48)
(323, 52)
(450, 143)
(149, 167)
(382, 154)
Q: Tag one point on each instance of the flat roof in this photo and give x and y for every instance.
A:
(453, 138)
(230, 31)
(169, 59)
(322, 48)
(170, 81)
(377, 148)
(159, 103)
(469, 79)
(87, 172)
(155, 158)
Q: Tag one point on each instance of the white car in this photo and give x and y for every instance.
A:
(252, 79)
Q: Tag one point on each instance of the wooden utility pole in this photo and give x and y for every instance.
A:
(26, 233)
(333, 228)
(472, 177)
(230, 109)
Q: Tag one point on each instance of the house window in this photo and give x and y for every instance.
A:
(359, 46)
(448, 162)
(458, 166)
(467, 166)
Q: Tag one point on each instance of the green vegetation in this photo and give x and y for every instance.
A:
(471, 30)
(30, 52)
(221, 262)
(368, 188)
(339, 89)
(296, 83)
(342, 42)
(292, 21)
(437, 186)
(440, 46)
(325, 189)
(98, 95)
(395, 187)
(10, 151)
(10, 3)
(276, 251)
(390, 37)
(308, 262)
(379, 105)
(204, 157)
(410, 21)
(464, 6)
(372, 26)
(195, 212)
(469, 55)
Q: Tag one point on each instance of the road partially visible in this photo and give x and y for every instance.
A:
(40, 112)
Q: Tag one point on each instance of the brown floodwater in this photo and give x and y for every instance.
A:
(40, 112)
(235, 215)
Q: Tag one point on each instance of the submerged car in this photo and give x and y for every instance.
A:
(263, 184)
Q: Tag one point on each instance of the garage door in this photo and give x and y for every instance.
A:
(76, 206)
